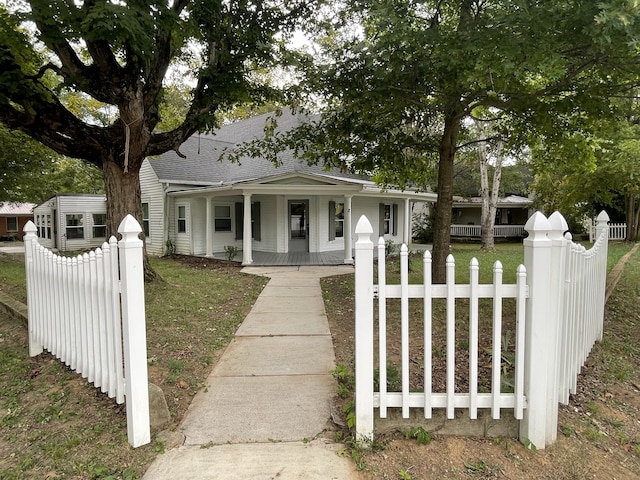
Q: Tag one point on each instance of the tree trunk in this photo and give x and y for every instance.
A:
(632, 214)
(123, 198)
(489, 199)
(442, 221)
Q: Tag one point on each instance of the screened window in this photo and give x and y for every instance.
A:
(145, 219)
(99, 225)
(12, 224)
(222, 218)
(182, 219)
(75, 226)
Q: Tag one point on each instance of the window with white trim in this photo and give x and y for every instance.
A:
(339, 220)
(222, 221)
(387, 219)
(74, 226)
(99, 225)
(145, 219)
(182, 219)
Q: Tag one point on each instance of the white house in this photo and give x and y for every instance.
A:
(199, 205)
(69, 222)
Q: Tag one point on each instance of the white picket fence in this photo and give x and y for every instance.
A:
(559, 297)
(617, 231)
(499, 231)
(89, 312)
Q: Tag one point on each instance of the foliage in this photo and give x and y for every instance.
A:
(426, 66)
(422, 227)
(90, 79)
(592, 169)
(31, 172)
(230, 252)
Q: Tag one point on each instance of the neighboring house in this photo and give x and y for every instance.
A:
(69, 222)
(13, 216)
(512, 213)
(200, 205)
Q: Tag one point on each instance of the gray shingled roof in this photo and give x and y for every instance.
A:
(202, 167)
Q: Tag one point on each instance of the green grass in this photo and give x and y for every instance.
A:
(53, 424)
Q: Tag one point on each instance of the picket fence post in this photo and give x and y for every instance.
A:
(364, 330)
(134, 332)
(602, 224)
(556, 301)
(540, 331)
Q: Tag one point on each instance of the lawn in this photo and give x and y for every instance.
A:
(53, 424)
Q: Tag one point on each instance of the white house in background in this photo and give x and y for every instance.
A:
(69, 222)
(512, 212)
(202, 205)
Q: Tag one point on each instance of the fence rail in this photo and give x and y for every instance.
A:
(559, 297)
(88, 311)
(502, 231)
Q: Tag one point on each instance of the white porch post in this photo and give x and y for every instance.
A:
(348, 256)
(208, 234)
(247, 259)
(407, 222)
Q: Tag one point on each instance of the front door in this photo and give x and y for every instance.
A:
(298, 225)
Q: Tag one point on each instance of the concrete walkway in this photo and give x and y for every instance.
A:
(266, 402)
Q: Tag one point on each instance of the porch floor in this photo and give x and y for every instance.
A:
(288, 259)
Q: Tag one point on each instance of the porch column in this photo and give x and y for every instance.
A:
(209, 234)
(247, 259)
(407, 222)
(348, 256)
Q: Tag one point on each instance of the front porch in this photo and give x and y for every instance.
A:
(288, 259)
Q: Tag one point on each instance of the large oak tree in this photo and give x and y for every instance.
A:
(400, 77)
(119, 53)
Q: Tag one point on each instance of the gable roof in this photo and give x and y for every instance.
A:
(16, 208)
(202, 167)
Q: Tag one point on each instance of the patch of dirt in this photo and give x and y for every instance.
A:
(598, 431)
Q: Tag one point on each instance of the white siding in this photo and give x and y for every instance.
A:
(153, 194)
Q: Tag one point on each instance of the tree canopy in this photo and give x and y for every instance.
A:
(31, 172)
(398, 78)
(117, 54)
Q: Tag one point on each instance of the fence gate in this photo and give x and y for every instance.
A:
(559, 303)
(89, 312)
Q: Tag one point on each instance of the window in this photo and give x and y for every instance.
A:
(182, 219)
(222, 220)
(75, 226)
(12, 224)
(43, 222)
(336, 220)
(388, 219)
(99, 225)
(145, 219)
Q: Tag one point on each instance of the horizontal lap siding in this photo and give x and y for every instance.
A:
(153, 194)
(87, 206)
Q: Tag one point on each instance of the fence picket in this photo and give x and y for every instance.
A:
(496, 360)
(382, 327)
(404, 313)
(74, 313)
(473, 338)
(451, 335)
(427, 319)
